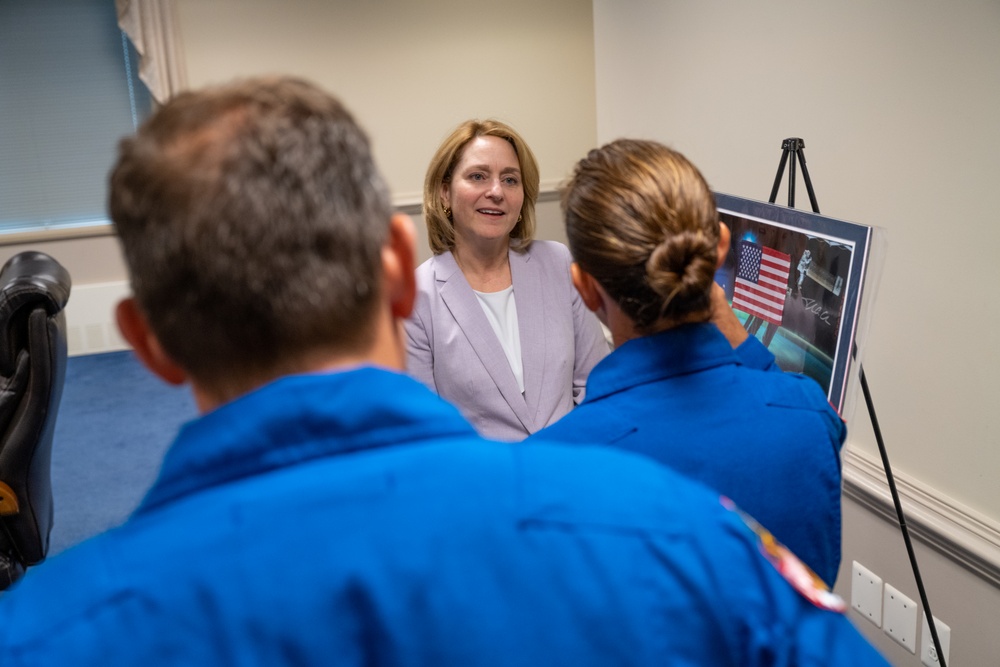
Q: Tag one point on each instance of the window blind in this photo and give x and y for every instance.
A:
(69, 90)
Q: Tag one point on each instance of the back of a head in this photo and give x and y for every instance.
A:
(252, 218)
(641, 219)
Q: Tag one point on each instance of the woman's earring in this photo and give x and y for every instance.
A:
(447, 212)
(519, 218)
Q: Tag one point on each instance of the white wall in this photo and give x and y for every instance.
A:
(412, 71)
(896, 102)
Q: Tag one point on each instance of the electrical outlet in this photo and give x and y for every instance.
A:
(866, 593)
(899, 618)
(928, 655)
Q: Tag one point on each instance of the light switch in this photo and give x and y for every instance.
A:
(866, 593)
(899, 618)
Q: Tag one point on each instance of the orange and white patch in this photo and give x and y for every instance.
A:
(788, 565)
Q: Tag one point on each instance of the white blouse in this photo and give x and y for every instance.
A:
(501, 311)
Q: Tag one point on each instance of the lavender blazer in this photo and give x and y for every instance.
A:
(452, 349)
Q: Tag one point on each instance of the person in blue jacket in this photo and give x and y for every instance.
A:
(646, 240)
(327, 509)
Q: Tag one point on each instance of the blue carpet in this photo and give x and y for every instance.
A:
(115, 422)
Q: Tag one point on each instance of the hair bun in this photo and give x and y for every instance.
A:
(642, 221)
(680, 270)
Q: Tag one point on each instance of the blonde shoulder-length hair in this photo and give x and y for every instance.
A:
(440, 227)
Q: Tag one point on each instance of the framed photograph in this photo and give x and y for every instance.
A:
(797, 281)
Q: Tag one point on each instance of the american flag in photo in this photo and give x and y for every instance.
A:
(761, 281)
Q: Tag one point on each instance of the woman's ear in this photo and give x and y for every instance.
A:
(445, 194)
(587, 286)
(136, 331)
(724, 238)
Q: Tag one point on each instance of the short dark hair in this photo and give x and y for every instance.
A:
(641, 220)
(251, 217)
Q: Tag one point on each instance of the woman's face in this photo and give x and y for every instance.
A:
(485, 192)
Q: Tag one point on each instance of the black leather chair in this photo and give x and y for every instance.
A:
(34, 289)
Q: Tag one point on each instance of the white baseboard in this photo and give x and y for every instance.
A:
(967, 537)
(90, 318)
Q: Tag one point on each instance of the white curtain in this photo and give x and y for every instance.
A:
(152, 27)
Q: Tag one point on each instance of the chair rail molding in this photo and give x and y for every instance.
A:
(970, 539)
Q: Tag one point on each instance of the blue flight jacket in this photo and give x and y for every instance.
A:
(730, 419)
(355, 518)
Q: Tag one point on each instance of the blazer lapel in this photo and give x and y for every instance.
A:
(526, 276)
(461, 301)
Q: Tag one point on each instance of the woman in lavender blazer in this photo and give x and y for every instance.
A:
(498, 329)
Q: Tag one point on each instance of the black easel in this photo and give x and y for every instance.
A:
(793, 147)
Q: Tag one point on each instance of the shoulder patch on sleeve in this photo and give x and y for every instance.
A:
(788, 565)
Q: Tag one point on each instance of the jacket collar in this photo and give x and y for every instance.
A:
(298, 418)
(685, 349)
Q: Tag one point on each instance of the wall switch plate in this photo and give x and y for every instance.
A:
(899, 618)
(866, 593)
(928, 655)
